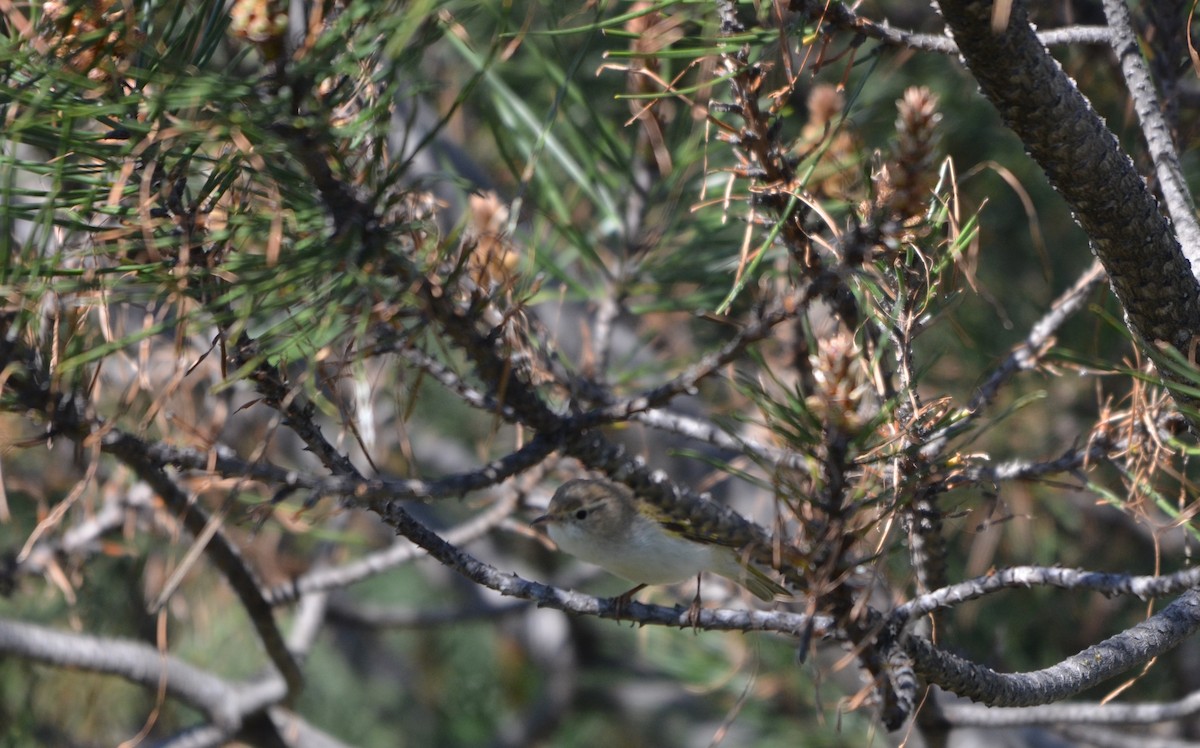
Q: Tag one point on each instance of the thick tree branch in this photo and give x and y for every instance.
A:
(1158, 634)
(1082, 159)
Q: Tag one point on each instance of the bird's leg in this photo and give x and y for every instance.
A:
(621, 602)
(694, 610)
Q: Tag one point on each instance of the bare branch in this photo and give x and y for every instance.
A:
(398, 554)
(703, 431)
(843, 18)
(1025, 577)
(1158, 634)
(228, 560)
(687, 382)
(1108, 713)
(1178, 197)
(1022, 358)
(226, 704)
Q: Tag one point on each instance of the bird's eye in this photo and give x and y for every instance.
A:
(580, 514)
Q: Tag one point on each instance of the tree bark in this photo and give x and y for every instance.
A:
(1085, 163)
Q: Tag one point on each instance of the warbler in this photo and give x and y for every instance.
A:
(604, 523)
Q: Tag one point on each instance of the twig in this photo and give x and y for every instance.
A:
(1180, 204)
(704, 431)
(453, 382)
(1025, 577)
(399, 553)
(228, 560)
(1024, 357)
(687, 382)
(1154, 636)
(967, 715)
(225, 703)
(840, 16)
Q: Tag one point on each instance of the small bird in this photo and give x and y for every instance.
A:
(604, 523)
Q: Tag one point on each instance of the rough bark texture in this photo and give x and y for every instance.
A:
(1084, 162)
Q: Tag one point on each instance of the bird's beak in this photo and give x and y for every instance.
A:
(540, 520)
